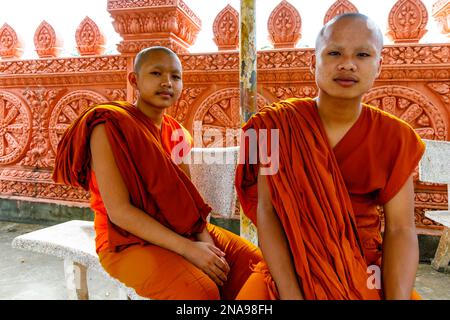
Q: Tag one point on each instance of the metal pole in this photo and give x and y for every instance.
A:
(247, 78)
(247, 59)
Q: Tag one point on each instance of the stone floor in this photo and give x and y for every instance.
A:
(30, 276)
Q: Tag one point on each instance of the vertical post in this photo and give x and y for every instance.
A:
(247, 69)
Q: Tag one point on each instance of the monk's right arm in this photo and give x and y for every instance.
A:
(122, 213)
(274, 245)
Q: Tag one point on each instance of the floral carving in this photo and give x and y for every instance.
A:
(39, 152)
(407, 21)
(64, 65)
(46, 42)
(219, 112)
(282, 92)
(441, 13)
(284, 26)
(15, 128)
(90, 40)
(412, 107)
(416, 55)
(10, 44)
(338, 8)
(116, 94)
(185, 103)
(226, 29)
(68, 109)
(443, 88)
(170, 24)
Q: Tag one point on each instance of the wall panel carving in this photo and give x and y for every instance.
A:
(40, 98)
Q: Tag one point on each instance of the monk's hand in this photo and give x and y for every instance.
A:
(208, 258)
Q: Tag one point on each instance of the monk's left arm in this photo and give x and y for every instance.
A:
(400, 244)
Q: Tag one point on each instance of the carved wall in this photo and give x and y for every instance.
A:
(40, 98)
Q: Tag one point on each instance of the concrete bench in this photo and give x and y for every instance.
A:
(74, 241)
(435, 167)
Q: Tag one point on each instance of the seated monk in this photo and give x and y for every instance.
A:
(339, 160)
(150, 220)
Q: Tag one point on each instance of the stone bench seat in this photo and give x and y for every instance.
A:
(435, 167)
(74, 241)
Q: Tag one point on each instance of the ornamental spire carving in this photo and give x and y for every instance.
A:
(284, 26)
(338, 8)
(46, 41)
(226, 29)
(89, 38)
(407, 21)
(441, 13)
(10, 44)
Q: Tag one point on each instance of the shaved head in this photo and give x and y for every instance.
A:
(145, 54)
(369, 23)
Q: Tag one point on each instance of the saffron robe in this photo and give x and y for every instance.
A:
(137, 147)
(154, 272)
(326, 199)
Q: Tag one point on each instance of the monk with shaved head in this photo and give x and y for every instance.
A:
(150, 220)
(339, 160)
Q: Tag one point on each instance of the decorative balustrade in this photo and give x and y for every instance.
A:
(39, 98)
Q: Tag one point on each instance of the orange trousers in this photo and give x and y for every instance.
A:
(261, 286)
(161, 274)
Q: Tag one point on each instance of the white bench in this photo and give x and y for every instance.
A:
(74, 241)
(435, 167)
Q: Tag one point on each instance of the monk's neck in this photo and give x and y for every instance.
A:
(338, 112)
(154, 114)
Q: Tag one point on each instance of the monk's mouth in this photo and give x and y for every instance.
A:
(165, 94)
(346, 82)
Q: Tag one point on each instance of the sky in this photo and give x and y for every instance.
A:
(65, 16)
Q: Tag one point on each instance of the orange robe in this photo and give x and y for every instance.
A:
(161, 189)
(325, 198)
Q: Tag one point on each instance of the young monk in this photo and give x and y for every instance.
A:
(150, 220)
(339, 159)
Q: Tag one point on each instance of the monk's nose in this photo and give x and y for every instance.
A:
(347, 66)
(166, 83)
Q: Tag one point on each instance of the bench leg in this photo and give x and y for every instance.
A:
(76, 280)
(442, 256)
(123, 294)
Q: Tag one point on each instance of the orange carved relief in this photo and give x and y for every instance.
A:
(219, 112)
(15, 128)
(67, 110)
(10, 44)
(407, 21)
(157, 22)
(338, 8)
(89, 38)
(116, 94)
(284, 92)
(39, 153)
(226, 29)
(184, 104)
(64, 65)
(441, 13)
(46, 42)
(411, 106)
(442, 88)
(284, 25)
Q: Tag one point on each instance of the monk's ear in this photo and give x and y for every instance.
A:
(380, 63)
(312, 63)
(132, 78)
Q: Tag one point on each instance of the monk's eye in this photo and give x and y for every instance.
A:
(363, 54)
(155, 73)
(334, 53)
(176, 77)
